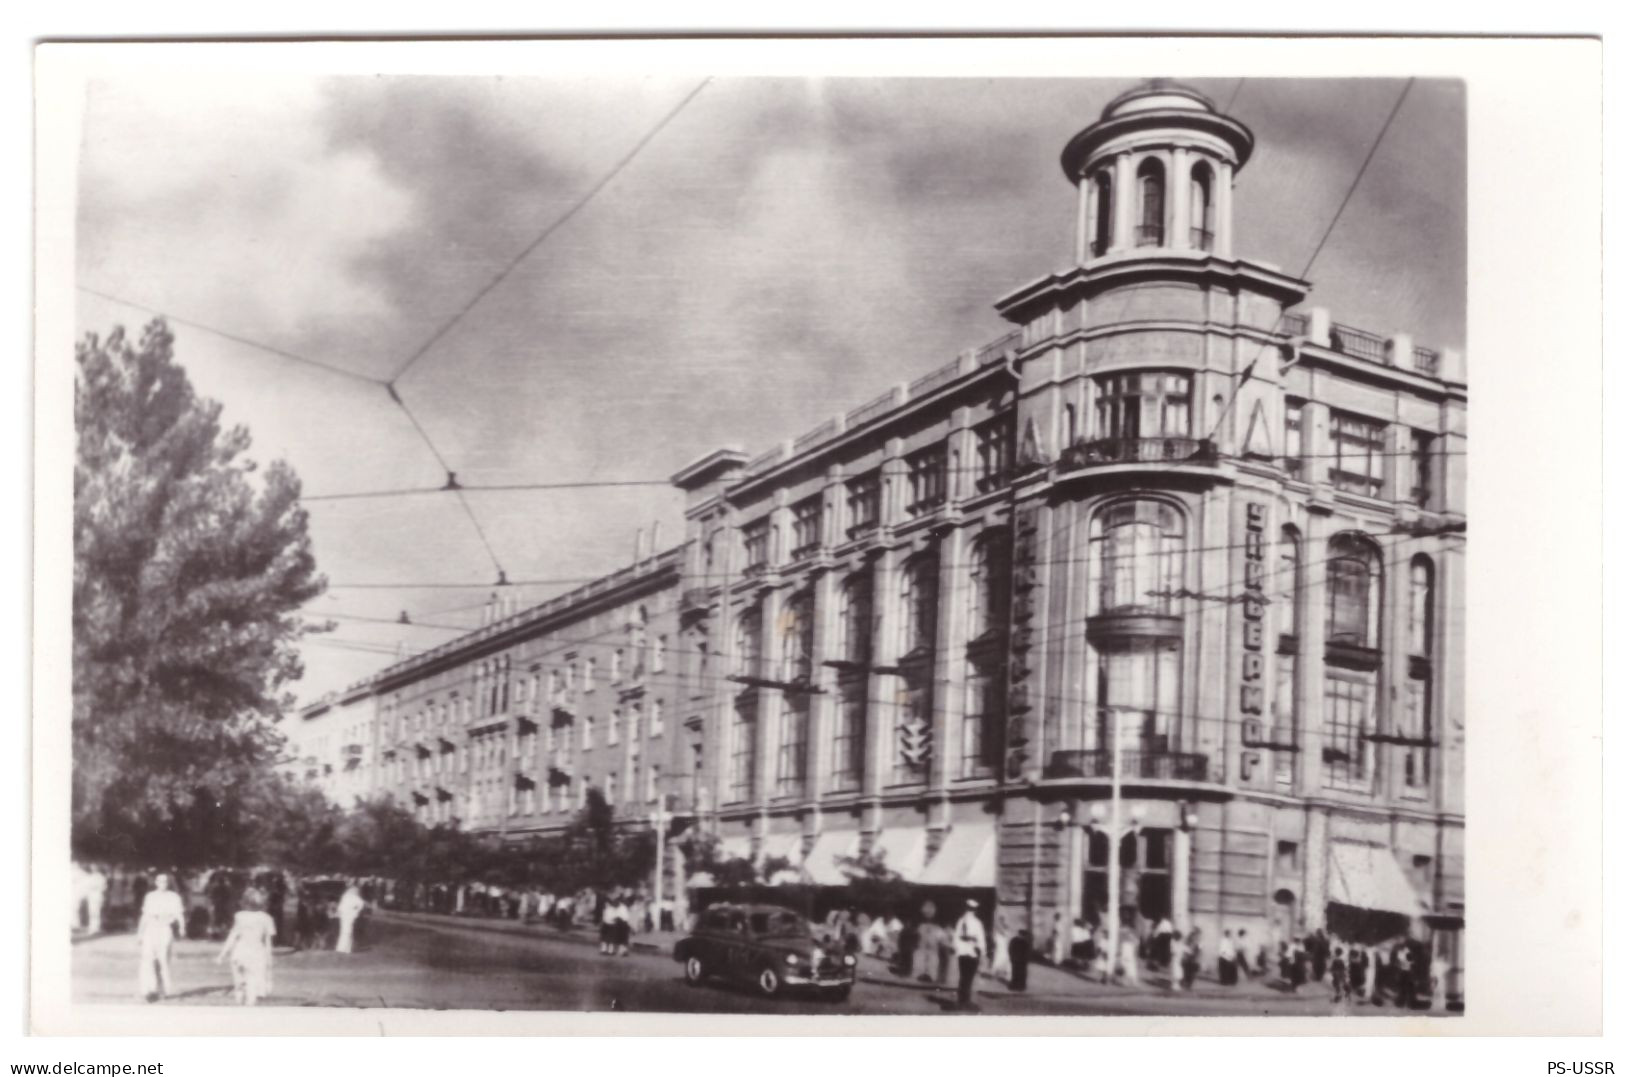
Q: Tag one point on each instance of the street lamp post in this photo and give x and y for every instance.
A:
(1114, 860)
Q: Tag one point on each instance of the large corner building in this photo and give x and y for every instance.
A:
(1174, 518)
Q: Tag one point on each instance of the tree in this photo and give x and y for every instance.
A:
(190, 565)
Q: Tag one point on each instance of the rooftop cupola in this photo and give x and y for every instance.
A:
(1154, 173)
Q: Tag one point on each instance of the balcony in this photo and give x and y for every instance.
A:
(1426, 361)
(1167, 450)
(1137, 766)
(1361, 344)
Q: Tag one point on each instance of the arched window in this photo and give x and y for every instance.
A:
(1135, 558)
(1151, 181)
(1419, 615)
(919, 605)
(1353, 592)
(1100, 213)
(989, 570)
(856, 612)
(1202, 207)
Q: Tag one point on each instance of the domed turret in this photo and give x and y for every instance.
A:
(1154, 173)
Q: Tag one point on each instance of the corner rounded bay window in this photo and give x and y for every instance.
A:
(1136, 570)
(1151, 182)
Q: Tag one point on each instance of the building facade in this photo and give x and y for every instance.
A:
(332, 745)
(1175, 525)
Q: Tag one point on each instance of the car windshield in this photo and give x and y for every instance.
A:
(782, 924)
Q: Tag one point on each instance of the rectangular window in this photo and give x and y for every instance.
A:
(652, 793)
(995, 452)
(742, 764)
(1357, 452)
(982, 715)
(846, 740)
(613, 735)
(1284, 715)
(610, 783)
(862, 503)
(807, 528)
(589, 674)
(1348, 717)
(755, 534)
(1421, 468)
(1292, 444)
(1416, 759)
(927, 479)
(1286, 858)
(586, 732)
(657, 660)
(793, 746)
(1132, 407)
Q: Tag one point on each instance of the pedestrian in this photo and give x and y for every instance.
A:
(946, 951)
(970, 946)
(1227, 961)
(1001, 950)
(1162, 944)
(163, 919)
(1404, 982)
(1191, 961)
(277, 901)
(1319, 952)
(1340, 976)
(1286, 963)
(350, 907)
(908, 941)
(1300, 964)
(874, 939)
(1102, 948)
(1021, 948)
(1128, 958)
(1243, 964)
(95, 883)
(249, 945)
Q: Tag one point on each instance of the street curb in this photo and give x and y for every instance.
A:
(501, 927)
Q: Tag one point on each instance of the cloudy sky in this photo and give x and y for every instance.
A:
(782, 250)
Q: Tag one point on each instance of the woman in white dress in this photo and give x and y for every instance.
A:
(249, 946)
(163, 918)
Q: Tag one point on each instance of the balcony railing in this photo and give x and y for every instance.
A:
(1140, 766)
(1168, 450)
(1202, 239)
(1148, 235)
(1295, 325)
(1361, 344)
(1426, 361)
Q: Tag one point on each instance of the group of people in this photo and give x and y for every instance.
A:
(248, 939)
(928, 945)
(531, 904)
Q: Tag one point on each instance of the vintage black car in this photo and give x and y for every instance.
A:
(766, 947)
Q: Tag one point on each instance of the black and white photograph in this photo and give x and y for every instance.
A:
(804, 544)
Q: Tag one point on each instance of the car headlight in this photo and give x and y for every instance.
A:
(792, 959)
(850, 960)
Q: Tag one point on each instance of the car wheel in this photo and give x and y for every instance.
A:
(767, 981)
(694, 970)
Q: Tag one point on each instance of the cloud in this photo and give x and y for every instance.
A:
(221, 201)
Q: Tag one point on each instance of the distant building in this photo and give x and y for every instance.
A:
(1170, 513)
(332, 745)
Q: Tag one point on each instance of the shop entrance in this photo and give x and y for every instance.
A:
(1146, 860)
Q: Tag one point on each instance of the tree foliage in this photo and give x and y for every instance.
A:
(190, 565)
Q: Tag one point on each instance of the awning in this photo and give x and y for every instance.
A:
(1368, 877)
(734, 847)
(823, 862)
(902, 850)
(785, 845)
(965, 859)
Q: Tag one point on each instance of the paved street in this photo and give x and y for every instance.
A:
(438, 963)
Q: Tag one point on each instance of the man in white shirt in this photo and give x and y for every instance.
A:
(350, 906)
(970, 945)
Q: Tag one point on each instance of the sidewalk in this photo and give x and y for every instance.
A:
(1043, 981)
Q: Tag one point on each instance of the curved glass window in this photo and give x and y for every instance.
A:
(1136, 551)
(1353, 592)
(1151, 182)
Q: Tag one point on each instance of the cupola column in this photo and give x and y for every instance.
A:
(1221, 210)
(1180, 178)
(1127, 195)
(1085, 187)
